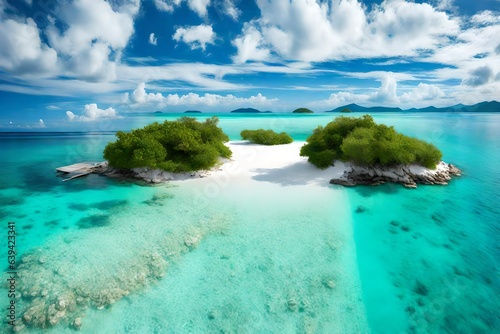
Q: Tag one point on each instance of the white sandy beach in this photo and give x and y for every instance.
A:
(278, 164)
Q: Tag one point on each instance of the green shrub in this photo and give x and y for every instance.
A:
(266, 137)
(174, 146)
(364, 142)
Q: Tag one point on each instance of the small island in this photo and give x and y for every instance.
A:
(160, 152)
(266, 137)
(193, 112)
(302, 111)
(249, 111)
(375, 154)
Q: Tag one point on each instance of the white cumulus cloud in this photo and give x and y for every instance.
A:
(82, 39)
(386, 95)
(140, 97)
(318, 31)
(197, 6)
(195, 36)
(92, 113)
(152, 39)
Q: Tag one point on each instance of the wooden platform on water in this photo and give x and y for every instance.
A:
(79, 169)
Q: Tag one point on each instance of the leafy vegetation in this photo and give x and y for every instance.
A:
(175, 146)
(346, 110)
(303, 111)
(266, 137)
(364, 142)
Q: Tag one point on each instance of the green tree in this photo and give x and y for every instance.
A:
(175, 146)
(266, 137)
(364, 142)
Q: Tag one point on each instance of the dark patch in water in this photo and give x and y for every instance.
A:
(420, 289)
(3, 214)
(27, 227)
(387, 188)
(405, 228)
(109, 205)
(360, 209)
(53, 222)
(438, 218)
(394, 223)
(97, 220)
(10, 200)
(104, 206)
(158, 199)
(78, 206)
(410, 309)
(38, 211)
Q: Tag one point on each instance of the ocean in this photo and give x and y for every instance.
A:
(260, 256)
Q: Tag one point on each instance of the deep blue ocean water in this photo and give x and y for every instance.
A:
(413, 261)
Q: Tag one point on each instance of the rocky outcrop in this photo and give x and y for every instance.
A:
(146, 174)
(408, 175)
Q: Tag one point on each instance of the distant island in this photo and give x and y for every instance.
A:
(492, 106)
(193, 112)
(250, 111)
(375, 153)
(302, 111)
(158, 112)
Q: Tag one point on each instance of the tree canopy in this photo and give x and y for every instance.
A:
(266, 137)
(364, 142)
(175, 146)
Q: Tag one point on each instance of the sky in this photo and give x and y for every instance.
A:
(66, 63)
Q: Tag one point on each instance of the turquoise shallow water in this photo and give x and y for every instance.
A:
(263, 257)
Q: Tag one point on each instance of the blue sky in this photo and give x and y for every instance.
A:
(66, 63)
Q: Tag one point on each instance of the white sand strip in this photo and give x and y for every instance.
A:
(278, 164)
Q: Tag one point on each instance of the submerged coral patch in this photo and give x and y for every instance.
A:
(109, 205)
(158, 199)
(11, 200)
(53, 222)
(97, 220)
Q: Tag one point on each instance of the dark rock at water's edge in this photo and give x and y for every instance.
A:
(409, 176)
(492, 106)
(147, 175)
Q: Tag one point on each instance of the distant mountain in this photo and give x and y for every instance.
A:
(492, 106)
(192, 112)
(250, 111)
(356, 108)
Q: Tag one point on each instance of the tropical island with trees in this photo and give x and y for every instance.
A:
(369, 153)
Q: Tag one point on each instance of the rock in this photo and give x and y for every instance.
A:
(292, 304)
(420, 289)
(329, 283)
(405, 228)
(192, 241)
(77, 323)
(408, 175)
(360, 209)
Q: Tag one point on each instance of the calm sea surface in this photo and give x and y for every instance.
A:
(261, 257)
